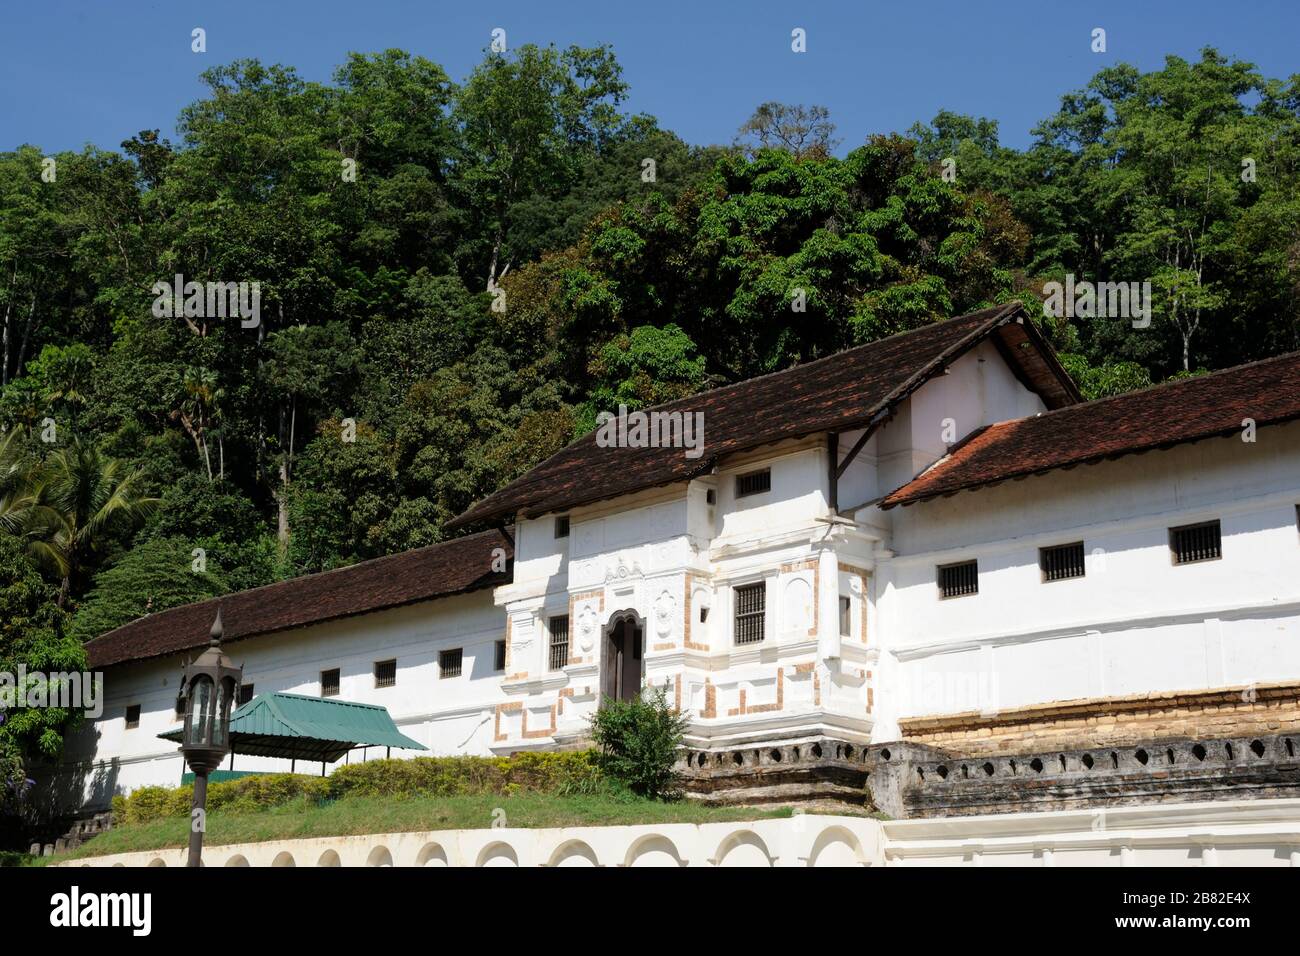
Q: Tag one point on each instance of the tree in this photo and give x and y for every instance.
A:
(802, 131)
(530, 120)
(153, 576)
(649, 366)
(31, 636)
(84, 497)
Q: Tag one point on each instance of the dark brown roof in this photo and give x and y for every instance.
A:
(842, 392)
(1174, 413)
(441, 570)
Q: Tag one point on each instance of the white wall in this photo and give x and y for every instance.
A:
(450, 715)
(1136, 622)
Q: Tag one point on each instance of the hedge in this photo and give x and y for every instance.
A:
(569, 772)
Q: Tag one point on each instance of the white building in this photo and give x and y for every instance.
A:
(925, 539)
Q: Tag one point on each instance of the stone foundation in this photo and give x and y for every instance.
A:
(1250, 710)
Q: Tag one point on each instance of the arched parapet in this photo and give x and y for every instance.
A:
(573, 853)
(742, 848)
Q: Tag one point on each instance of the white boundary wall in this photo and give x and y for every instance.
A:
(1227, 833)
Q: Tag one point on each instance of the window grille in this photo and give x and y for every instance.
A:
(751, 608)
(450, 663)
(958, 580)
(1196, 542)
(385, 673)
(1061, 561)
(559, 642)
(754, 483)
(329, 683)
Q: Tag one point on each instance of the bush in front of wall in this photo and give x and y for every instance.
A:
(567, 773)
(639, 740)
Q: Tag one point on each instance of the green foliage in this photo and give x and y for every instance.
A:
(32, 636)
(1101, 382)
(153, 576)
(567, 773)
(639, 741)
(649, 366)
(503, 265)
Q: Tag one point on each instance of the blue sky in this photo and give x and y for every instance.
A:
(96, 71)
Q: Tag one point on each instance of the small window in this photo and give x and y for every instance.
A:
(179, 709)
(711, 497)
(751, 608)
(450, 662)
(499, 661)
(1196, 542)
(385, 673)
(132, 716)
(329, 683)
(1061, 561)
(846, 620)
(562, 527)
(559, 642)
(958, 580)
(245, 694)
(754, 483)
(704, 614)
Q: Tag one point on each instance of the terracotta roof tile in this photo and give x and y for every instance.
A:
(452, 567)
(842, 392)
(1174, 413)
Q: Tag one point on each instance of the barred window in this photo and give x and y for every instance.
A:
(958, 580)
(132, 716)
(1061, 561)
(562, 527)
(329, 683)
(754, 482)
(846, 620)
(1196, 542)
(450, 662)
(559, 642)
(499, 662)
(751, 607)
(385, 673)
(245, 694)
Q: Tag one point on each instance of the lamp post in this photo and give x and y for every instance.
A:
(208, 688)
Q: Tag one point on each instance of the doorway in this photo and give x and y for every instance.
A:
(622, 661)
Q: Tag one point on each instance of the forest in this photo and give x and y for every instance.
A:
(454, 277)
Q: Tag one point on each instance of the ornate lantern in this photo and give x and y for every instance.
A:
(208, 689)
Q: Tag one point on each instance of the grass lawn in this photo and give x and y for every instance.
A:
(357, 814)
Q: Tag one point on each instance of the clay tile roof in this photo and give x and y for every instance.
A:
(841, 392)
(1174, 413)
(441, 570)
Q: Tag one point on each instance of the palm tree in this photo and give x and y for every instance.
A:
(81, 495)
(17, 497)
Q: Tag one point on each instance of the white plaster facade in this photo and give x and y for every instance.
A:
(672, 558)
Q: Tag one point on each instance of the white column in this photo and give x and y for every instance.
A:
(828, 606)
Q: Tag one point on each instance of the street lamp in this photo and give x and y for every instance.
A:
(208, 688)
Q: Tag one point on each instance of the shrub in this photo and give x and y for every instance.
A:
(638, 741)
(575, 772)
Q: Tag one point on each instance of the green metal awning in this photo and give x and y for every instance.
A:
(309, 728)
